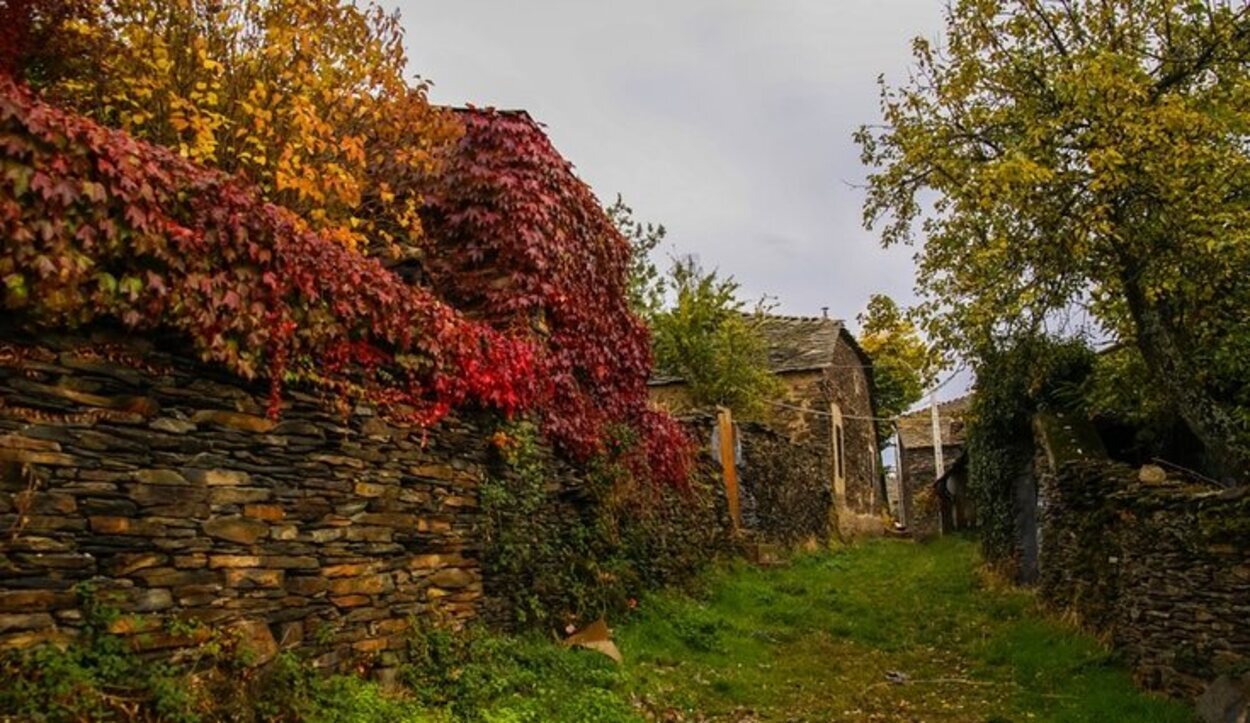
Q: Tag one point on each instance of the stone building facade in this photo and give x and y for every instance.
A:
(827, 410)
(921, 504)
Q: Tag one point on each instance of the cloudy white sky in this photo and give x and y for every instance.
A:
(729, 121)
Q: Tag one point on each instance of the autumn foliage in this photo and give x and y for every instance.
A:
(308, 99)
(518, 238)
(97, 225)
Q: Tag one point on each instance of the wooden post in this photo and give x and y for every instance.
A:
(728, 460)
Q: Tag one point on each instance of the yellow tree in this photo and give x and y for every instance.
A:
(903, 366)
(307, 98)
(1084, 153)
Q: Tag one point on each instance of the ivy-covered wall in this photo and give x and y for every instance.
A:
(1164, 569)
(563, 545)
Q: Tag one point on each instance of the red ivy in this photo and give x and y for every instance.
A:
(521, 241)
(98, 225)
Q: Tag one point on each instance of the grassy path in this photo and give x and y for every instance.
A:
(819, 641)
(883, 631)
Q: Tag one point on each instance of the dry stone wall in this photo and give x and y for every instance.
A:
(791, 500)
(1164, 568)
(159, 481)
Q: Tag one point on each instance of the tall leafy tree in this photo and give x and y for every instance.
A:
(903, 365)
(307, 98)
(1091, 153)
(711, 338)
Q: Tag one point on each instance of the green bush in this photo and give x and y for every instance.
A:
(1013, 383)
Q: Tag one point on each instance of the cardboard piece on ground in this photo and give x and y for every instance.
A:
(596, 636)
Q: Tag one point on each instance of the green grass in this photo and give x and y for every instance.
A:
(815, 640)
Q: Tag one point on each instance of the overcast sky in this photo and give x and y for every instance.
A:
(729, 121)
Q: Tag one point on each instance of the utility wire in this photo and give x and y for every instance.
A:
(819, 413)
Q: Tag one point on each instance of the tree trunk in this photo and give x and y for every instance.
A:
(1169, 363)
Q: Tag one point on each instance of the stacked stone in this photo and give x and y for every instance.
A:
(792, 494)
(1184, 615)
(159, 481)
(1164, 568)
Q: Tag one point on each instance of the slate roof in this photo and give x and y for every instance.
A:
(795, 343)
(916, 429)
(800, 343)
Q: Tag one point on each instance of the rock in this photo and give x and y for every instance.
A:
(370, 489)
(284, 532)
(16, 441)
(350, 601)
(256, 642)
(338, 460)
(160, 477)
(27, 621)
(237, 495)
(146, 601)
(240, 530)
(268, 513)
(367, 585)
(93, 365)
(1152, 474)
(306, 585)
(106, 525)
(217, 477)
(234, 420)
(452, 578)
(25, 600)
(1225, 700)
(393, 519)
(26, 456)
(217, 561)
(292, 562)
(172, 426)
(147, 495)
(348, 569)
(126, 564)
(248, 577)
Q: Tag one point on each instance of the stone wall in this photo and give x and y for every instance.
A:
(790, 498)
(1163, 568)
(810, 426)
(159, 481)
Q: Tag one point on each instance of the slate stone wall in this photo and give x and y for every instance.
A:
(159, 481)
(791, 498)
(1164, 569)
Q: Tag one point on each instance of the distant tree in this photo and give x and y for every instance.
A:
(903, 365)
(711, 338)
(1084, 154)
(646, 283)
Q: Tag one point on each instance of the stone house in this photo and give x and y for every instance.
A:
(921, 501)
(827, 409)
